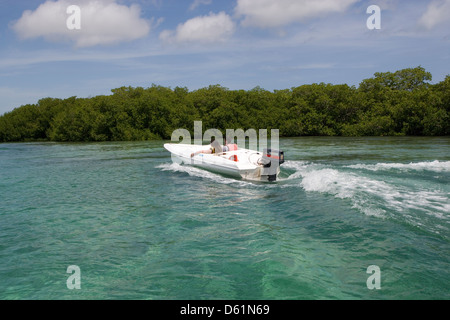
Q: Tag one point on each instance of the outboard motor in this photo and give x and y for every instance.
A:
(271, 161)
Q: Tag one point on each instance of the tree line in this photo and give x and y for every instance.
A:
(388, 104)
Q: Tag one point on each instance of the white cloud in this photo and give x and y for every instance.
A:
(269, 13)
(198, 3)
(437, 12)
(102, 22)
(203, 29)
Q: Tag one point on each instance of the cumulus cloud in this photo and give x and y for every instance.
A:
(102, 22)
(269, 13)
(203, 29)
(438, 11)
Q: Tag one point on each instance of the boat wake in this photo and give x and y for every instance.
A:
(201, 173)
(371, 189)
(419, 203)
(434, 166)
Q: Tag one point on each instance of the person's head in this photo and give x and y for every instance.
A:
(226, 140)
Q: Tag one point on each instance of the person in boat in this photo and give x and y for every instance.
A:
(214, 148)
(229, 146)
(217, 148)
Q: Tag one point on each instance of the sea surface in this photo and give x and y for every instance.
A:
(138, 226)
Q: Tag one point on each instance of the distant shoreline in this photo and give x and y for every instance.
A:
(206, 141)
(402, 103)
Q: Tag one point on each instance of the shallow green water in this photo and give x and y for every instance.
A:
(140, 227)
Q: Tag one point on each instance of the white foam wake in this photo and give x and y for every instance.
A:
(419, 206)
(436, 166)
(200, 173)
(371, 196)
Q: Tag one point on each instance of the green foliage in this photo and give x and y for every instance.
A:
(398, 103)
(406, 79)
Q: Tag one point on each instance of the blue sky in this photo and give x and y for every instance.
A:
(238, 44)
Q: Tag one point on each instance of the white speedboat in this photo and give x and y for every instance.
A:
(242, 163)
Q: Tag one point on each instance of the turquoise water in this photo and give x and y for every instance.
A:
(140, 227)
